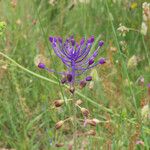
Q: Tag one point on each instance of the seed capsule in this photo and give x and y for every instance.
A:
(58, 103)
(72, 89)
(82, 84)
(59, 144)
(69, 77)
(59, 124)
(85, 112)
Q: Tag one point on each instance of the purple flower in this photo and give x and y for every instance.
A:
(75, 57)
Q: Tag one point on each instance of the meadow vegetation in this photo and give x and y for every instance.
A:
(111, 112)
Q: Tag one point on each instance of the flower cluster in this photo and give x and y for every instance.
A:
(75, 57)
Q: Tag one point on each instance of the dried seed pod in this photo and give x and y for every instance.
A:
(58, 103)
(79, 102)
(59, 124)
(91, 132)
(85, 112)
(59, 144)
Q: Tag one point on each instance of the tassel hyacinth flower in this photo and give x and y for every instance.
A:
(75, 57)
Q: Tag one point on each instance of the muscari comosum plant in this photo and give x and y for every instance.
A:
(75, 57)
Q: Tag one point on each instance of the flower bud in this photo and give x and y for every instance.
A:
(91, 61)
(58, 103)
(51, 39)
(102, 61)
(59, 124)
(92, 39)
(85, 112)
(88, 78)
(101, 43)
(41, 65)
(69, 77)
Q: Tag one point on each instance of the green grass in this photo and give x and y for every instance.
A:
(27, 112)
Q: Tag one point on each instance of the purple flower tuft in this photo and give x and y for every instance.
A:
(41, 65)
(75, 57)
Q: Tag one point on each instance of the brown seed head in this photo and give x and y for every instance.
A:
(59, 124)
(58, 103)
